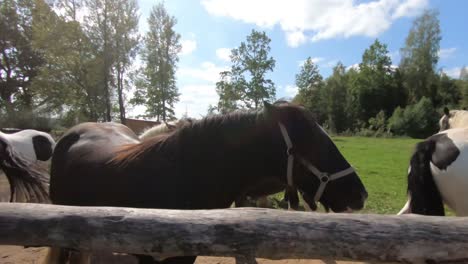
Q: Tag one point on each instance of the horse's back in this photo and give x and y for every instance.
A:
(81, 157)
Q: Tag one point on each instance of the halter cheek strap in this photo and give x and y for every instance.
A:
(323, 177)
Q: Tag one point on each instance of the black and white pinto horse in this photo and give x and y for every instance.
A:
(21, 158)
(453, 119)
(438, 174)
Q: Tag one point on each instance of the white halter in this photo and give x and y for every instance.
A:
(323, 177)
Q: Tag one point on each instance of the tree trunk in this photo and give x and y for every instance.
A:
(120, 73)
(107, 67)
(264, 233)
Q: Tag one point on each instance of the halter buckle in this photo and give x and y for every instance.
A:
(324, 177)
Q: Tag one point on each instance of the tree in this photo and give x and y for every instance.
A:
(335, 96)
(156, 86)
(419, 57)
(68, 82)
(19, 62)
(101, 33)
(250, 64)
(463, 84)
(125, 24)
(375, 88)
(228, 95)
(310, 85)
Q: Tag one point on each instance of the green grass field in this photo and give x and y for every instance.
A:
(382, 164)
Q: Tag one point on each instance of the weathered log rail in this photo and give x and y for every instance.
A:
(264, 233)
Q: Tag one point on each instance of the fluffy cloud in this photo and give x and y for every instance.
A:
(197, 88)
(223, 54)
(290, 90)
(315, 60)
(314, 20)
(195, 99)
(206, 72)
(188, 46)
(447, 53)
(453, 72)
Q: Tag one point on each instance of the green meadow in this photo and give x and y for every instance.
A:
(382, 164)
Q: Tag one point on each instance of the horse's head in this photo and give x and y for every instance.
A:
(444, 122)
(314, 164)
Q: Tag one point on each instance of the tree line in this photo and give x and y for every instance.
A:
(75, 60)
(375, 97)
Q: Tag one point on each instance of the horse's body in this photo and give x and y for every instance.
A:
(453, 119)
(438, 174)
(20, 157)
(203, 165)
(164, 127)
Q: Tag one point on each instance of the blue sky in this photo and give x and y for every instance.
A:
(326, 30)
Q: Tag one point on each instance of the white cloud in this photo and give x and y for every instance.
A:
(188, 46)
(197, 89)
(195, 99)
(354, 66)
(314, 20)
(206, 72)
(290, 90)
(315, 60)
(223, 54)
(409, 8)
(447, 53)
(296, 38)
(453, 72)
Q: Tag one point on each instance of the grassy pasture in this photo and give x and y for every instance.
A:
(382, 164)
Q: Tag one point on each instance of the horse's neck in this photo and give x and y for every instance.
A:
(243, 156)
(205, 167)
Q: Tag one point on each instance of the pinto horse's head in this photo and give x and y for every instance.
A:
(319, 170)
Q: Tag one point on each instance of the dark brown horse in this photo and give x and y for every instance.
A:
(204, 165)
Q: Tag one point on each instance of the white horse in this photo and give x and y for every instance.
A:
(165, 127)
(453, 119)
(21, 155)
(438, 174)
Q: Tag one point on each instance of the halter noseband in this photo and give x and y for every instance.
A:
(323, 177)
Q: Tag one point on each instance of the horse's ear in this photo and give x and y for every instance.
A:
(270, 110)
(446, 111)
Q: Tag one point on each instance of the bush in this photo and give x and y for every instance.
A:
(418, 120)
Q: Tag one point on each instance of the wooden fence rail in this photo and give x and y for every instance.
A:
(264, 233)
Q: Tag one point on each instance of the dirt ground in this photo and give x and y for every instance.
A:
(20, 255)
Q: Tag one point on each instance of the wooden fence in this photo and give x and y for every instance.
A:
(264, 233)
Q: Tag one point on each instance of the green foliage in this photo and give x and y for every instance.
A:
(228, 94)
(156, 84)
(379, 122)
(311, 89)
(69, 79)
(449, 92)
(246, 84)
(19, 62)
(335, 96)
(419, 57)
(375, 87)
(418, 120)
